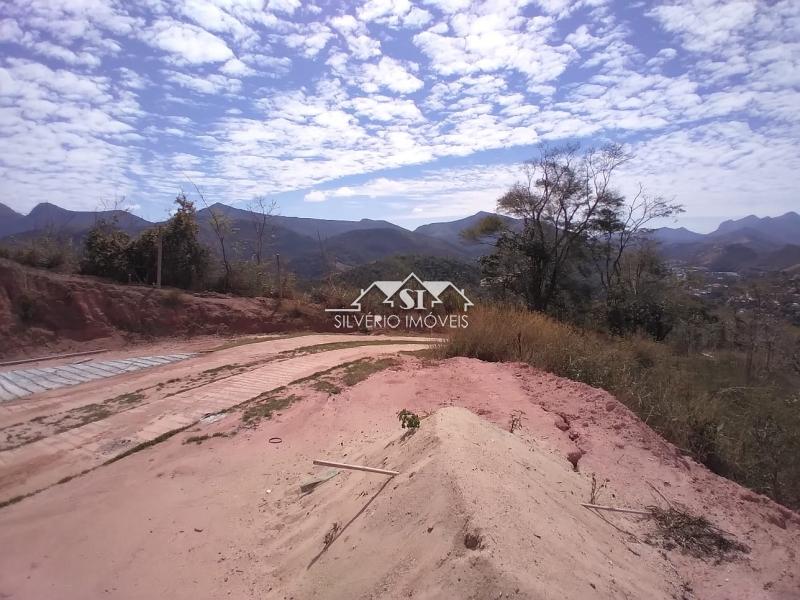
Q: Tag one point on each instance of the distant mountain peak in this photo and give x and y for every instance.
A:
(782, 229)
(6, 212)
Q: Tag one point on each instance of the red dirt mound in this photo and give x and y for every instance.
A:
(42, 311)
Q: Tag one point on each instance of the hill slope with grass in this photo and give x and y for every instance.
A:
(746, 430)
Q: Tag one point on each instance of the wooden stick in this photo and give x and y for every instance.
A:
(619, 510)
(327, 463)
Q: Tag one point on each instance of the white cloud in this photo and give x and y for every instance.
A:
(286, 6)
(269, 66)
(315, 196)
(390, 74)
(278, 96)
(436, 194)
(494, 41)
(236, 68)
(719, 169)
(65, 54)
(356, 35)
(310, 39)
(72, 136)
(205, 84)
(189, 43)
(449, 6)
(706, 25)
(10, 31)
(417, 17)
(394, 13)
(385, 109)
(211, 17)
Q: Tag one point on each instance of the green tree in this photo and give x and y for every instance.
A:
(105, 251)
(185, 259)
(562, 193)
(142, 255)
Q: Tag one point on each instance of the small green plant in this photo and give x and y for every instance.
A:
(408, 419)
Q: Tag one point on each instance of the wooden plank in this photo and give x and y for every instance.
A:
(310, 484)
(619, 510)
(327, 463)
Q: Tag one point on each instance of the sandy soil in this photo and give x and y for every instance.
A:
(53, 435)
(476, 513)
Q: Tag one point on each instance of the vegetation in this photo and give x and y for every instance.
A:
(112, 253)
(357, 371)
(327, 387)
(265, 405)
(408, 419)
(748, 431)
(398, 267)
(694, 535)
(199, 439)
(46, 251)
(576, 240)
(583, 294)
(327, 347)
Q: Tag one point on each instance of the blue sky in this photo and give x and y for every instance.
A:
(412, 111)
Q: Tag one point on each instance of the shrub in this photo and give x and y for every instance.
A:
(44, 252)
(408, 419)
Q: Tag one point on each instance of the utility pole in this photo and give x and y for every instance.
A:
(160, 253)
(280, 281)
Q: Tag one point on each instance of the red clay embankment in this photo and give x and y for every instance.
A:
(42, 312)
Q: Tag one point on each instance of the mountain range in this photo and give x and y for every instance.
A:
(312, 247)
(748, 244)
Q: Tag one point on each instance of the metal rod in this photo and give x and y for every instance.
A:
(327, 463)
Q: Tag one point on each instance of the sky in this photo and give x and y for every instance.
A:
(410, 111)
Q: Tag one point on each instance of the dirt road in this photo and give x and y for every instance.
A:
(65, 432)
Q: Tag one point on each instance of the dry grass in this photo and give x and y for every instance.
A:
(327, 387)
(341, 346)
(255, 340)
(40, 427)
(265, 405)
(358, 371)
(693, 535)
(747, 432)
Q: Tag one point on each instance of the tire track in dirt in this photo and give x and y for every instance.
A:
(54, 459)
(49, 402)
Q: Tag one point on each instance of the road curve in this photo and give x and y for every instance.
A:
(42, 463)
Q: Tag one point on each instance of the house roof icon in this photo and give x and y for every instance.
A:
(390, 288)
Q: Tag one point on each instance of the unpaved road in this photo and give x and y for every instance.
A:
(65, 432)
(225, 517)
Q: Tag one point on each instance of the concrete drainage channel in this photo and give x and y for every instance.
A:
(18, 383)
